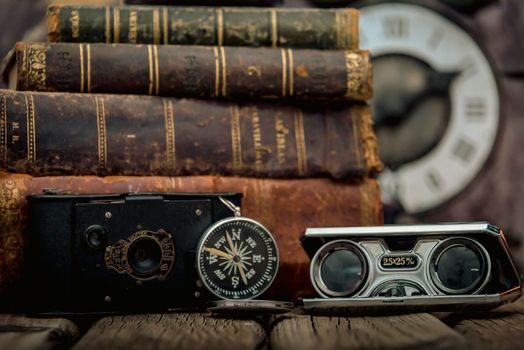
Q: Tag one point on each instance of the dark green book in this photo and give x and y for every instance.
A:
(227, 26)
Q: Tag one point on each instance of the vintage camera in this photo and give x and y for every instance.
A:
(423, 267)
(122, 252)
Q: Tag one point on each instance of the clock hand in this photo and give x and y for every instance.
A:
(242, 274)
(218, 253)
(231, 245)
(440, 82)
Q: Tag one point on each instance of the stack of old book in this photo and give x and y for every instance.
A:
(269, 102)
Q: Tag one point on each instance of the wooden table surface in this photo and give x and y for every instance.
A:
(502, 328)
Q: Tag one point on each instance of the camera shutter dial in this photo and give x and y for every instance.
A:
(237, 258)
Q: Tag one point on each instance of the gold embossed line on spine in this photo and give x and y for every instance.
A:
(165, 25)
(151, 71)
(3, 130)
(291, 71)
(217, 71)
(339, 28)
(157, 73)
(116, 24)
(82, 73)
(220, 26)
(354, 37)
(88, 50)
(156, 26)
(108, 25)
(102, 134)
(274, 28)
(224, 71)
(236, 145)
(300, 141)
(31, 130)
(284, 72)
(169, 118)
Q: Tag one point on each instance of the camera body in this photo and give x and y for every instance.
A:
(122, 252)
(442, 267)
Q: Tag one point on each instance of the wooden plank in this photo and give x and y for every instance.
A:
(502, 328)
(19, 332)
(173, 331)
(412, 331)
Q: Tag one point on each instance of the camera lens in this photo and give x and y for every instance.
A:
(95, 236)
(144, 256)
(339, 269)
(459, 266)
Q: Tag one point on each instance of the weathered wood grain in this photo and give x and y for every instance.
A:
(502, 328)
(19, 332)
(173, 331)
(412, 331)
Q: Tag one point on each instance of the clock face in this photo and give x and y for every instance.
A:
(435, 105)
(237, 258)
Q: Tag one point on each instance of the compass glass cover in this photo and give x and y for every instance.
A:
(237, 258)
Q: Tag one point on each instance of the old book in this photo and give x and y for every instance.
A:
(194, 71)
(228, 26)
(84, 134)
(285, 207)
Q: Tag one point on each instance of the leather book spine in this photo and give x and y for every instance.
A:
(285, 207)
(194, 71)
(88, 134)
(227, 26)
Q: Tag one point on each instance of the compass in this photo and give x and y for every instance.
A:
(237, 259)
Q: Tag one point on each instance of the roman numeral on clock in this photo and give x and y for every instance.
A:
(395, 27)
(434, 180)
(475, 108)
(464, 150)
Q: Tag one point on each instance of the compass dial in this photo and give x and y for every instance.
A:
(237, 258)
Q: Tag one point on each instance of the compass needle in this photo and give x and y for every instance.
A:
(218, 253)
(242, 273)
(231, 245)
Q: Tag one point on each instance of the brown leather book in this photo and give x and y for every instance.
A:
(84, 134)
(227, 26)
(285, 207)
(194, 71)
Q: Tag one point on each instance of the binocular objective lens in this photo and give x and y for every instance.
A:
(144, 256)
(460, 268)
(342, 271)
